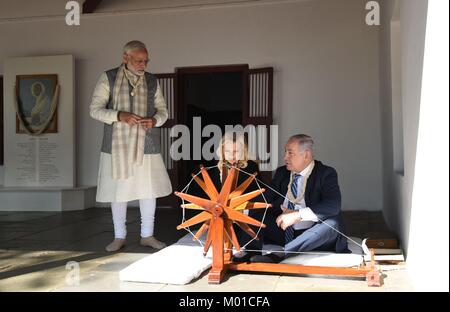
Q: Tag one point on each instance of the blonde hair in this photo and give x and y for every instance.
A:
(234, 138)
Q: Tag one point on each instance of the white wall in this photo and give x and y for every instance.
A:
(398, 187)
(432, 138)
(325, 82)
(416, 203)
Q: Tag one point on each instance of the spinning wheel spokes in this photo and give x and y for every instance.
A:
(236, 201)
(226, 205)
(200, 231)
(249, 205)
(209, 184)
(226, 187)
(232, 235)
(247, 229)
(241, 188)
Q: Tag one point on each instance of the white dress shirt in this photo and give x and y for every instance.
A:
(307, 215)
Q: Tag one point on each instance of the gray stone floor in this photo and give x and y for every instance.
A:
(38, 248)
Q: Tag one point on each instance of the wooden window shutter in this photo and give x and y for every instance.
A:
(259, 111)
(167, 82)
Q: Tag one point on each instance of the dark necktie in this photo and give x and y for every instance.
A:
(289, 232)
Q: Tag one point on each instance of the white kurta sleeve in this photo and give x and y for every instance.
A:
(161, 114)
(99, 101)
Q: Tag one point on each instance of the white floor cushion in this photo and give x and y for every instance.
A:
(183, 261)
(176, 264)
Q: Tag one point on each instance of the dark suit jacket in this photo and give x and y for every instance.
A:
(322, 192)
(322, 195)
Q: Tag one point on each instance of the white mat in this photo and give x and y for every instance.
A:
(176, 264)
(183, 261)
(327, 259)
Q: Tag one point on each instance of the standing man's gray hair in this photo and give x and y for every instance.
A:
(134, 45)
(304, 141)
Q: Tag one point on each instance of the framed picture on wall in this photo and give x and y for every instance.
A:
(36, 104)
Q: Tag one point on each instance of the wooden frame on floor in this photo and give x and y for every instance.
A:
(221, 210)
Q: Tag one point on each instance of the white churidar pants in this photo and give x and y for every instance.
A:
(119, 214)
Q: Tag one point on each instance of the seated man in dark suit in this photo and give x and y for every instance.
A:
(309, 218)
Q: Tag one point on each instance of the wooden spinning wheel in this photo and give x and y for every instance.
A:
(221, 210)
(219, 213)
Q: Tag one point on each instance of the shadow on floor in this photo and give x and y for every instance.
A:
(88, 230)
(91, 230)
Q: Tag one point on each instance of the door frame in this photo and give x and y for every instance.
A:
(181, 72)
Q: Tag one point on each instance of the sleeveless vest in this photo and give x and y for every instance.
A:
(152, 136)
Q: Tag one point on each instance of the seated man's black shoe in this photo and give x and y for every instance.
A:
(269, 258)
(243, 256)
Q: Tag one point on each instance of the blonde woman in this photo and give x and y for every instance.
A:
(233, 151)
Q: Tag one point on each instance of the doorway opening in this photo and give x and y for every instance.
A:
(217, 95)
(211, 95)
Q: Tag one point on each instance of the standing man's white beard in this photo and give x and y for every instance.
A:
(131, 69)
(139, 73)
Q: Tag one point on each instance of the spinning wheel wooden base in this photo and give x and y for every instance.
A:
(221, 210)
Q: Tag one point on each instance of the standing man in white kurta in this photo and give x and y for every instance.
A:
(129, 101)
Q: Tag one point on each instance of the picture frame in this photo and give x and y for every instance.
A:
(37, 100)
